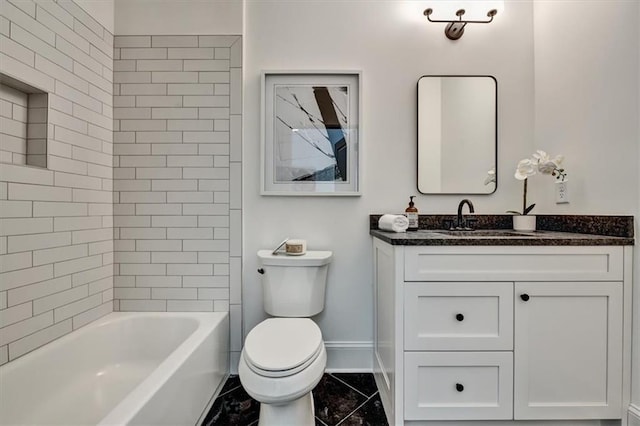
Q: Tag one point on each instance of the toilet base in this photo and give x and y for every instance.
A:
(299, 412)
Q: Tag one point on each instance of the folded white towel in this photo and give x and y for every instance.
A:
(393, 222)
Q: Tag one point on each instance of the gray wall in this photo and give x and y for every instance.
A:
(587, 108)
(393, 46)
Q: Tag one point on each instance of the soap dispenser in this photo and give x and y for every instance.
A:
(412, 214)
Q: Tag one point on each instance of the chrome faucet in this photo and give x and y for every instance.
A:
(462, 223)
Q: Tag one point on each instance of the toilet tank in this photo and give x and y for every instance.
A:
(294, 286)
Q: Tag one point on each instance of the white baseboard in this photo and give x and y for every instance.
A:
(634, 415)
(349, 357)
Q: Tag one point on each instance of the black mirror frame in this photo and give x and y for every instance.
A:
(418, 136)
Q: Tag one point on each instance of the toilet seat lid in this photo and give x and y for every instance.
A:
(279, 344)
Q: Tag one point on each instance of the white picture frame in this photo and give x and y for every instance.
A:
(311, 130)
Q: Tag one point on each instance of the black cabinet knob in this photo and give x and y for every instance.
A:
(459, 387)
(459, 317)
(260, 271)
(524, 297)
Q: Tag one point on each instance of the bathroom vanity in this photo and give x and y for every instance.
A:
(499, 325)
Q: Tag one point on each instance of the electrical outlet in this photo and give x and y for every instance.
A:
(562, 192)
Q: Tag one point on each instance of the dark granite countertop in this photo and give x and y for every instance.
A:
(494, 230)
(502, 238)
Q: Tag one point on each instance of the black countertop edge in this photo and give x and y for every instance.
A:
(620, 226)
(543, 238)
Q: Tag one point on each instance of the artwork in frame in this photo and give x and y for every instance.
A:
(310, 133)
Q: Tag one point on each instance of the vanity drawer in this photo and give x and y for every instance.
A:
(458, 316)
(458, 385)
(513, 263)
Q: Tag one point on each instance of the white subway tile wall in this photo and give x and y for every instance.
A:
(56, 225)
(177, 156)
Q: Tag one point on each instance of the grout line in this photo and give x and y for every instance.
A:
(229, 391)
(345, 383)
(354, 411)
(320, 421)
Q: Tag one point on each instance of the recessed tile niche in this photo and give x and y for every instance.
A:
(23, 123)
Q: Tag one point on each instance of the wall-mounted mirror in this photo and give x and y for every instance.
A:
(457, 134)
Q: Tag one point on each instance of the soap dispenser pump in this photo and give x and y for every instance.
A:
(412, 214)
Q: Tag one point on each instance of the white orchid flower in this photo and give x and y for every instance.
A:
(491, 176)
(546, 165)
(541, 156)
(526, 168)
(558, 160)
(547, 168)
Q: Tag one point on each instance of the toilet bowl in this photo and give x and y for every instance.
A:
(283, 359)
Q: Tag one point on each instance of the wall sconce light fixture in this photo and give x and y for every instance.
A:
(455, 28)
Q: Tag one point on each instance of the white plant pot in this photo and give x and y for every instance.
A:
(524, 223)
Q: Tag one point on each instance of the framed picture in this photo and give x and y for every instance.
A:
(310, 133)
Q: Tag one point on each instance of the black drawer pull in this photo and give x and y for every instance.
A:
(524, 297)
(260, 271)
(459, 317)
(459, 387)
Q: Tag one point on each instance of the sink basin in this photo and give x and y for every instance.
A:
(485, 233)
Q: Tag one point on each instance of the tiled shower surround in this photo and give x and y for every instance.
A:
(177, 175)
(171, 182)
(56, 237)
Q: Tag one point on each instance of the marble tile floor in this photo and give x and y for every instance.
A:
(344, 399)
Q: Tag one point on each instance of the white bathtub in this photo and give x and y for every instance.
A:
(124, 369)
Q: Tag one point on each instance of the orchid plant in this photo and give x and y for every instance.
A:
(540, 162)
(491, 176)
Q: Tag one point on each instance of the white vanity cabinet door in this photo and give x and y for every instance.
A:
(458, 316)
(568, 350)
(458, 385)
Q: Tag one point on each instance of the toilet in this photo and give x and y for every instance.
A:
(284, 357)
